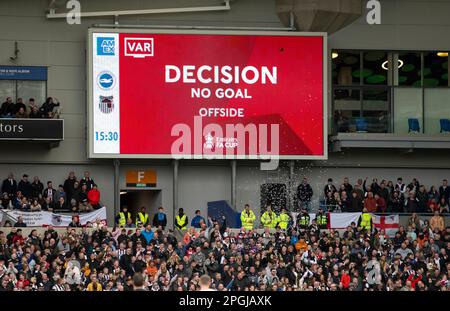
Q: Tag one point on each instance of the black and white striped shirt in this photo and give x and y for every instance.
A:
(121, 252)
(58, 288)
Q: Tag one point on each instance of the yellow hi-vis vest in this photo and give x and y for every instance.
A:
(269, 220)
(248, 219)
(322, 220)
(365, 221)
(123, 219)
(304, 220)
(142, 218)
(283, 221)
(181, 222)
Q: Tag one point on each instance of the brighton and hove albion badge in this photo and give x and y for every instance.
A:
(106, 104)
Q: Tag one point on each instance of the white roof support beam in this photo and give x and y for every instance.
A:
(225, 7)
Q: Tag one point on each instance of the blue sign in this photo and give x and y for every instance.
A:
(106, 46)
(23, 73)
(106, 80)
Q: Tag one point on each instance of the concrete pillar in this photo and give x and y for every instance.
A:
(291, 185)
(233, 183)
(176, 164)
(116, 163)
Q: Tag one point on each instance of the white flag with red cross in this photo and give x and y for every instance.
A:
(388, 223)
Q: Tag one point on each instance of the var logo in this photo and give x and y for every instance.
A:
(139, 47)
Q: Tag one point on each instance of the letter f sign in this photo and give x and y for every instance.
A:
(140, 176)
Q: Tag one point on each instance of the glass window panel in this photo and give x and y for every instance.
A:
(32, 89)
(407, 105)
(375, 68)
(346, 68)
(437, 110)
(409, 69)
(347, 106)
(435, 72)
(376, 110)
(7, 89)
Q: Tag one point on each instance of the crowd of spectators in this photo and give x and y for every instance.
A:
(74, 195)
(295, 259)
(9, 109)
(378, 197)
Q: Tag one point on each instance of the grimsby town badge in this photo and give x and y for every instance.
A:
(106, 104)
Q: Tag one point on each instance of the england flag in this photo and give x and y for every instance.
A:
(388, 223)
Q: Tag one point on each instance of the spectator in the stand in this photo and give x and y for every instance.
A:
(198, 220)
(358, 190)
(411, 203)
(34, 113)
(25, 187)
(148, 234)
(69, 185)
(384, 192)
(47, 108)
(330, 201)
(400, 186)
(48, 204)
(6, 201)
(76, 194)
(432, 206)
(422, 199)
(395, 203)
(35, 206)
(87, 180)
(10, 186)
(414, 185)
(61, 193)
(84, 194)
(370, 203)
(21, 113)
(329, 187)
(443, 206)
(84, 206)
(32, 104)
(355, 202)
(94, 197)
(381, 203)
(374, 187)
(7, 108)
(444, 191)
(304, 194)
(437, 222)
(37, 186)
(22, 202)
(390, 187)
(433, 194)
(347, 186)
(338, 203)
(49, 192)
(160, 218)
(18, 106)
(345, 202)
(75, 223)
(61, 204)
(20, 223)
